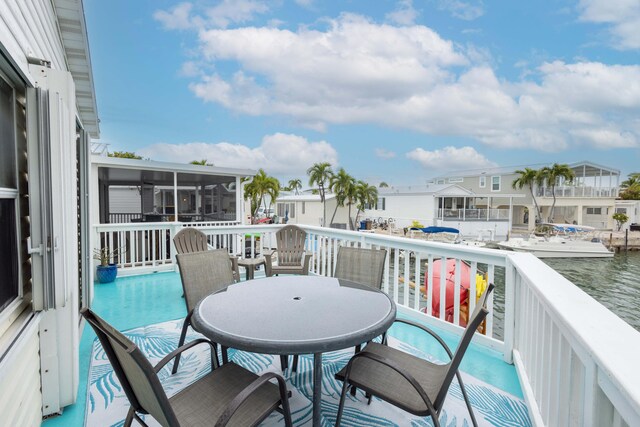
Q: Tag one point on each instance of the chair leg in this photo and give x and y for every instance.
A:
(129, 419)
(284, 362)
(183, 336)
(294, 368)
(225, 355)
(354, 388)
(343, 395)
(466, 400)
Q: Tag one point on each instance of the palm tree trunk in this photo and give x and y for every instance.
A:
(334, 213)
(553, 206)
(350, 223)
(535, 202)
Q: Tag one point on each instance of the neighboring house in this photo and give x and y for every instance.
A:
(588, 200)
(308, 209)
(47, 115)
(142, 190)
(447, 205)
(630, 208)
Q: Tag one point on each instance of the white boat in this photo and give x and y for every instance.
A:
(568, 241)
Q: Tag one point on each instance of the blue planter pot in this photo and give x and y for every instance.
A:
(106, 274)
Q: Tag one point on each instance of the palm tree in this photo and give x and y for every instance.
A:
(383, 185)
(527, 178)
(295, 185)
(202, 162)
(320, 174)
(633, 179)
(339, 183)
(551, 175)
(261, 185)
(366, 195)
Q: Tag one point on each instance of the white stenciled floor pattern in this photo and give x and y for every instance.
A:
(107, 404)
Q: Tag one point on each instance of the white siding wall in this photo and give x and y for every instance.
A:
(405, 208)
(29, 28)
(20, 380)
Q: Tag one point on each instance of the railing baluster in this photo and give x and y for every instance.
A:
(416, 289)
(407, 277)
(490, 302)
(396, 272)
(443, 288)
(429, 289)
(456, 293)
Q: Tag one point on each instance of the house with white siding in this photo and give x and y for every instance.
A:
(588, 200)
(444, 205)
(47, 116)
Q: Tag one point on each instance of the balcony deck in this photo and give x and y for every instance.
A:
(144, 300)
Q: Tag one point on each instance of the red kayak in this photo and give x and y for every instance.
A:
(465, 272)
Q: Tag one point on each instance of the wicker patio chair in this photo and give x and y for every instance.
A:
(190, 240)
(406, 381)
(291, 256)
(228, 396)
(201, 273)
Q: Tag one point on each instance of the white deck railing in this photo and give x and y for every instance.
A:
(576, 360)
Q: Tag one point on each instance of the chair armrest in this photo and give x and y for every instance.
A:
(158, 367)
(234, 267)
(384, 361)
(235, 403)
(268, 263)
(306, 258)
(430, 332)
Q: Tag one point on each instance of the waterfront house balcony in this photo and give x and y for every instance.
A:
(547, 344)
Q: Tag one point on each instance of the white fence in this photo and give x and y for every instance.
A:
(576, 360)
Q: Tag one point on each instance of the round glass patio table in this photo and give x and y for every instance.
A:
(295, 315)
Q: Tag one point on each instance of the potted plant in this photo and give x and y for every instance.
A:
(106, 272)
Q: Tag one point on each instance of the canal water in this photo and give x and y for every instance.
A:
(614, 282)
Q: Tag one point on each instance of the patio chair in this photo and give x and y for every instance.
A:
(190, 240)
(228, 395)
(201, 273)
(291, 256)
(406, 381)
(361, 265)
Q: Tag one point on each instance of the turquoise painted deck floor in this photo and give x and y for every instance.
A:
(144, 300)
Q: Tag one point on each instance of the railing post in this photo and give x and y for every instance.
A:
(509, 309)
(173, 230)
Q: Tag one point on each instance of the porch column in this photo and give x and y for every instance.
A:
(584, 178)
(488, 207)
(511, 212)
(175, 196)
(579, 210)
(464, 208)
(532, 218)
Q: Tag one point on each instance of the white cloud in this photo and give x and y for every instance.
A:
(408, 77)
(177, 18)
(384, 154)
(278, 154)
(450, 158)
(466, 10)
(623, 17)
(221, 15)
(405, 13)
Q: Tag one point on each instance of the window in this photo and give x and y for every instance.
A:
(9, 255)
(621, 210)
(381, 204)
(454, 180)
(286, 210)
(594, 211)
(495, 183)
(440, 181)
(483, 181)
(304, 208)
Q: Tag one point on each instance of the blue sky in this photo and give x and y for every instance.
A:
(399, 91)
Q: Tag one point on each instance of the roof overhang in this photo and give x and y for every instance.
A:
(118, 171)
(73, 31)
